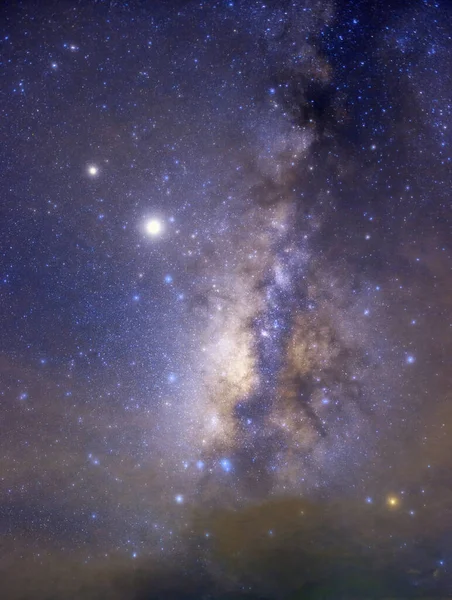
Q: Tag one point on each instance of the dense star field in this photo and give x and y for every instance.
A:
(226, 298)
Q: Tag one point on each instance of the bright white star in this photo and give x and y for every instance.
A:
(93, 170)
(153, 227)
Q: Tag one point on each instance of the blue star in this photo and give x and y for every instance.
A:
(226, 465)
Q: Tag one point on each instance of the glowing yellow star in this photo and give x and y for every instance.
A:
(392, 501)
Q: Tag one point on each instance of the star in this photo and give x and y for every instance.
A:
(93, 170)
(392, 501)
(226, 465)
(154, 227)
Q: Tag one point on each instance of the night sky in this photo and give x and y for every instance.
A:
(226, 298)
